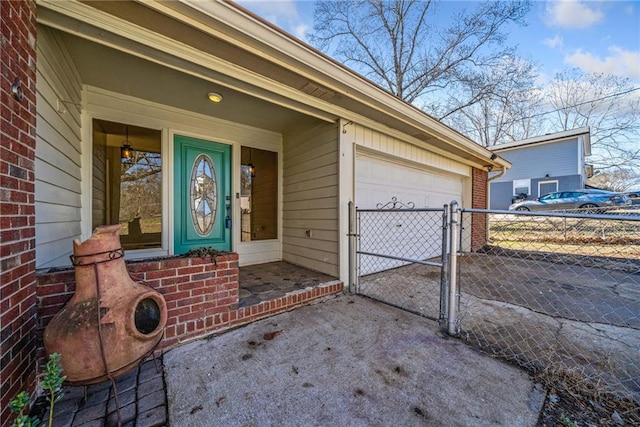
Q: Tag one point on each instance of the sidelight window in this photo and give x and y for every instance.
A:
(259, 194)
(127, 182)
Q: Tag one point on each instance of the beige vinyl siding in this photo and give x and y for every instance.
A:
(99, 183)
(310, 198)
(58, 152)
(381, 143)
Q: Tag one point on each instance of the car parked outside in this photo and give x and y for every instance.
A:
(634, 196)
(575, 199)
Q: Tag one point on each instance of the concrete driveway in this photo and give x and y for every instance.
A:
(344, 361)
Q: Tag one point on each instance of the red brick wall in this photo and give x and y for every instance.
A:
(201, 297)
(17, 211)
(479, 187)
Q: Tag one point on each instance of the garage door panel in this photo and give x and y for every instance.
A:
(400, 234)
(377, 181)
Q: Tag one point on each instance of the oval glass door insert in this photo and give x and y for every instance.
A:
(203, 196)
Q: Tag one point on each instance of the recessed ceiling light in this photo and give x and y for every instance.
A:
(214, 97)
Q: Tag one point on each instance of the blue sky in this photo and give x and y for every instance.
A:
(595, 36)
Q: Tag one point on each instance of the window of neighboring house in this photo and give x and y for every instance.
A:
(259, 194)
(127, 182)
(521, 186)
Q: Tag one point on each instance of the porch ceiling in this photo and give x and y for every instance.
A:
(117, 71)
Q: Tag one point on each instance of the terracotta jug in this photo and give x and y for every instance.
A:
(111, 323)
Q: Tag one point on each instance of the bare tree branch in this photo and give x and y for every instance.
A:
(503, 114)
(401, 46)
(609, 105)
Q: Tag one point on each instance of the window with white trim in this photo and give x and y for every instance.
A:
(521, 186)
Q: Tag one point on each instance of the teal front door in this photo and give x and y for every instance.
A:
(202, 202)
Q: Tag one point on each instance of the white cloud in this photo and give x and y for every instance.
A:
(555, 42)
(301, 30)
(619, 62)
(282, 13)
(573, 14)
(282, 9)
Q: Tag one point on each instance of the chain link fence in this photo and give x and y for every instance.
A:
(401, 258)
(557, 293)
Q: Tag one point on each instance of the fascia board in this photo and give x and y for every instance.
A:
(546, 139)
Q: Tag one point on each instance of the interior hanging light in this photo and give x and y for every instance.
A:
(126, 151)
(252, 168)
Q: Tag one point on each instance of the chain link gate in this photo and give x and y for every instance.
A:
(398, 256)
(557, 293)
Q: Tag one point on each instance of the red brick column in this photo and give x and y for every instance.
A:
(17, 211)
(478, 201)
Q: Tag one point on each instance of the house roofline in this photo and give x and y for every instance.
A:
(358, 97)
(303, 53)
(550, 137)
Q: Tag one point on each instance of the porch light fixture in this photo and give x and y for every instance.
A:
(252, 168)
(214, 97)
(126, 152)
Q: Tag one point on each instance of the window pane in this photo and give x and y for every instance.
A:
(522, 190)
(204, 196)
(521, 186)
(127, 184)
(259, 194)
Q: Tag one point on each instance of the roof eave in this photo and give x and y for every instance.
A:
(550, 137)
(360, 100)
(295, 54)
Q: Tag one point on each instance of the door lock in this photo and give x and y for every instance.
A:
(227, 220)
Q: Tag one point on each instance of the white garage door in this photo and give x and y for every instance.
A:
(407, 235)
(377, 181)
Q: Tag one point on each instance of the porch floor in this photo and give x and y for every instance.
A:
(264, 282)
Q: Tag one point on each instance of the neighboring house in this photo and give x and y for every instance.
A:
(541, 165)
(234, 135)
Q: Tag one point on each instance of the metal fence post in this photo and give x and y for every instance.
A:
(453, 258)
(353, 268)
(443, 270)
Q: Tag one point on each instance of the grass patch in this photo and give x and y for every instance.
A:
(574, 400)
(613, 238)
